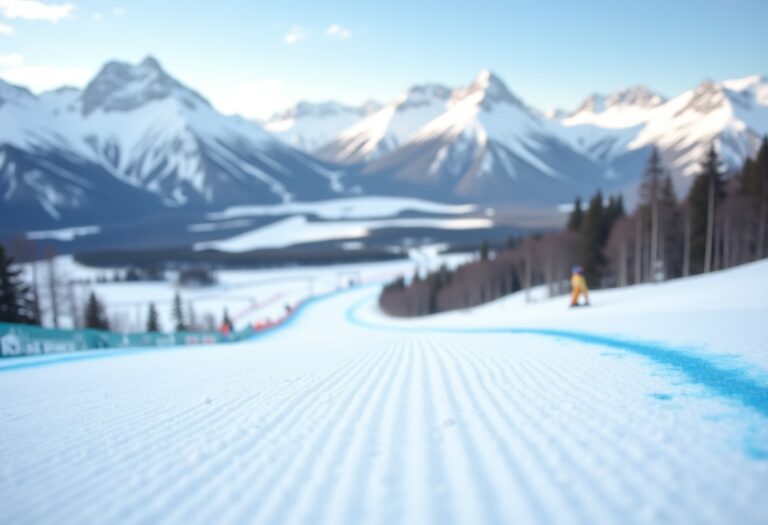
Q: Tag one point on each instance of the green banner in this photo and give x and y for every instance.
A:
(19, 340)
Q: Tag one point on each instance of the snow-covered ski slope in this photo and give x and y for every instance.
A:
(649, 407)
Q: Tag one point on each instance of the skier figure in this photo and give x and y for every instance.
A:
(578, 286)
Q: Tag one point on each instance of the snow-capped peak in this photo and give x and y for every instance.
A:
(421, 95)
(384, 130)
(744, 93)
(151, 63)
(706, 97)
(489, 82)
(555, 114)
(486, 90)
(12, 93)
(633, 98)
(370, 107)
(311, 125)
(745, 83)
(120, 86)
(594, 103)
(320, 110)
(305, 109)
(750, 91)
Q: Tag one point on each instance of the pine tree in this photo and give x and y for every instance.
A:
(484, 251)
(54, 286)
(670, 230)
(434, 289)
(650, 188)
(613, 212)
(592, 240)
(16, 302)
(95, 315)
(705, 194)
(226, 321)
(24, 250)
(153, 321)
(577, 215)
(178, 313)
(762, 196)
(754, 184)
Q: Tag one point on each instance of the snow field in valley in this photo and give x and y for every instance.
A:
(250, 296)
(345, 416)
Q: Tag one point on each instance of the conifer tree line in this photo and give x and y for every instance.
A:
(20, 304)
(722, 222)
(17, 301)
(95, 313)
(153, 320)
(185, 319)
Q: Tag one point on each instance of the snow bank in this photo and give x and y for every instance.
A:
(350, 208)
(298, 230)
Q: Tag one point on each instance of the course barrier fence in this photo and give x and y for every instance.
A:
(22, 340)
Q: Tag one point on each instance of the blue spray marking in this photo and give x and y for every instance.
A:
(661, 397)
(726, 382)
(729, 383)
(301, 308)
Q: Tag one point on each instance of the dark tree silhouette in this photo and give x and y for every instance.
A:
(705, 195)
(153, 320)
(95, 314)
(592, 240)
(178, 313)
(576, 216)
(16, 299)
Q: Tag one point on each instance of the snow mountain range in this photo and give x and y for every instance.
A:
(482, 142)
(137, 142)
(486, 146)
(619, 129)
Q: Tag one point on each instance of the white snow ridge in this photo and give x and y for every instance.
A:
(649, 407)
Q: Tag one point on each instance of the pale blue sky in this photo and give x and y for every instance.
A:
(253, 56)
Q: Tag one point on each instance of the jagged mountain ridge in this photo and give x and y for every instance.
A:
(613, 131)
(732, 114)
(309, 126)
(385, 130)
(141, 140)
(637, 97)
(147, 131)
(488, 146)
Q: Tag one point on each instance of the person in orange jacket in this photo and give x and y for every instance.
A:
(578, 286)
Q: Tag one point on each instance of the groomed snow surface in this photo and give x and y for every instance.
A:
(649, 407)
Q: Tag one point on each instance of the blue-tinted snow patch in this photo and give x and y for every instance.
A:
(730, 383)
(662, 397)
(756, 445)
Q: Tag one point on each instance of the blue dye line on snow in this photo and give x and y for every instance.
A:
(729, 383)
(732, 384)
(661, 397)
(302, 307)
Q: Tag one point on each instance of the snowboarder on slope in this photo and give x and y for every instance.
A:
(578, 286)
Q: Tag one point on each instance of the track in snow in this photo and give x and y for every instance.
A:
(329, 422)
